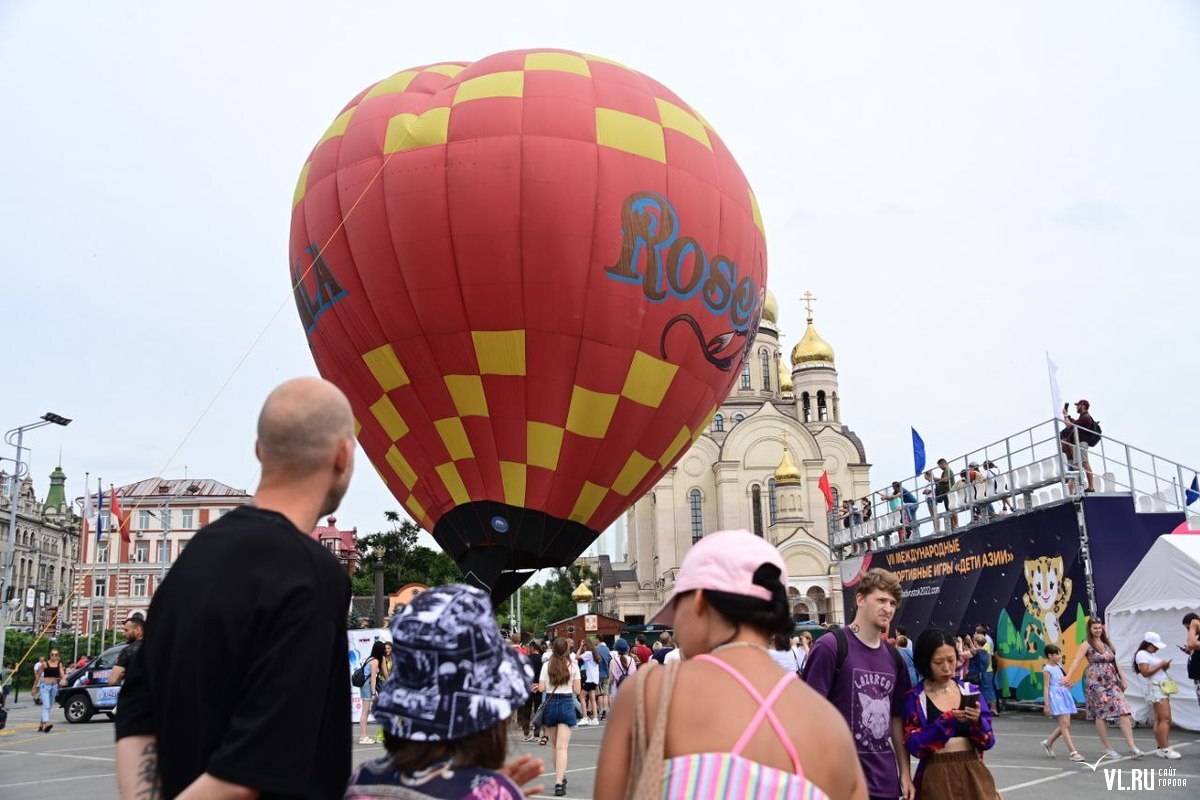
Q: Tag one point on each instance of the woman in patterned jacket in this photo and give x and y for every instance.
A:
(947, 725)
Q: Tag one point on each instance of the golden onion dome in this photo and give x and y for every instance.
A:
(787, 472)
(785, 377)
(811, 348)
(770, 311)
(582, 593)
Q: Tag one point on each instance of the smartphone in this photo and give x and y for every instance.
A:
(970, 701)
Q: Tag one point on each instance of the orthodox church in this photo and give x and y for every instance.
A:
(757, 467)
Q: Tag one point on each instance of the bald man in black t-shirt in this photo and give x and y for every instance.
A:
(241, 689)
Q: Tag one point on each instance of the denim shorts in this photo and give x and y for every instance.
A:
(560, 710)
(364, 691)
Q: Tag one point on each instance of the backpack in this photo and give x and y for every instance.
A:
(1193, 665)
(361, 674)
(1093, 436)
(624, 669)
(843, 648)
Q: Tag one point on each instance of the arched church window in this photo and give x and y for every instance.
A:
(745, 374)
(772, 505)
(822, 409)
(765, 358)
(738, 418)
(756, 508)
(696, 500)
(806, 406)
(718, 423)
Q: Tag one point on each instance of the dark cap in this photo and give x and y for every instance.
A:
(1083, 403)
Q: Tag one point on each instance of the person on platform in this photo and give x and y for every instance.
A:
(865, 678)
(135, 630)
(1151, 664)
(1058, 703)
(770, 736)
(446, 729)
(276, 617)
(1084, 427)
(947, 725)
(1104, 687)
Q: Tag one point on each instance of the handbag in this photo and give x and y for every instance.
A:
(1168, 687)
(647, 753)
(536, 720)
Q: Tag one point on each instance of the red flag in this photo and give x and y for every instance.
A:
(826, 490)
(120, 519)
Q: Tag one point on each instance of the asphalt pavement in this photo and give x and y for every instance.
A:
(77, 761)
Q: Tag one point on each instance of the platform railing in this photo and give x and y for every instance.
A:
(1030, 469)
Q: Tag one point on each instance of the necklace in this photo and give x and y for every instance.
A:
(731, 645)
(944, 690)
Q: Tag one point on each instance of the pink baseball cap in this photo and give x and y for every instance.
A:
(724, 561)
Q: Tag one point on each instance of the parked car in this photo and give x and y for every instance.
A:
(87, 691)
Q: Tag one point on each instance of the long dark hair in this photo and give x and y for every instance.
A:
(767, 616)
(378, 651)
(1140, 648)
(1103, 634)
(559, 670)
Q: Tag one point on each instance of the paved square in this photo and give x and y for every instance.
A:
(77, 760)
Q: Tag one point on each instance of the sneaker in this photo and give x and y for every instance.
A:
(366, 740)
(560, 789)
(1077, 756)
(1136, 753)
(1046, 747)
(1168, 753)
(603, 715)
(1112, 754)
(595, 722)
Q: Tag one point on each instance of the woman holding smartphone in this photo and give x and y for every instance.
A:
(947, 725)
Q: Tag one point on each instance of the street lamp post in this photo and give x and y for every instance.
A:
(10, 556)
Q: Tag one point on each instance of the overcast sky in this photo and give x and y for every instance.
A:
(963, 185)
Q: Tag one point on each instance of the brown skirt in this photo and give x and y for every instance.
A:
(957, 776)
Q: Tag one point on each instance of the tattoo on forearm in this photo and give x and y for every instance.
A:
(148, 787)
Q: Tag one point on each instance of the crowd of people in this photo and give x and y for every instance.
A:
(1078, 434)
(839, 716)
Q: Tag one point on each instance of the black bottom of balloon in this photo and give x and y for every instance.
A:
(498, 547)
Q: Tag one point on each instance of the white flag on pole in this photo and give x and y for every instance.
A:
(1055, 392)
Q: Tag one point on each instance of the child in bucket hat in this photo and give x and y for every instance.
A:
(446, 706)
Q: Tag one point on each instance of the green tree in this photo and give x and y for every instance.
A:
(404, 561)
(548, 602)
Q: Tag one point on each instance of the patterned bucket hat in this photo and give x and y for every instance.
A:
(453, 675)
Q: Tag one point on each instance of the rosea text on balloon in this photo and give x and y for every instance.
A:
(653, 253)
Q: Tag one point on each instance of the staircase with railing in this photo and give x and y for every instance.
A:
(1030, 469)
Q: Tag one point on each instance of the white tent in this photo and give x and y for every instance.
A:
(1155, 597)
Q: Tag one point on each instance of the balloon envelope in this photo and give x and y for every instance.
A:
(536, 276)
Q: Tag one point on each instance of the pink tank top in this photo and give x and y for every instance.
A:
(715, 776)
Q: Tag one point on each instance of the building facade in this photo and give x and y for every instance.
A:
(47, 548)
(343, 544)
(115, 578)
(757, 467)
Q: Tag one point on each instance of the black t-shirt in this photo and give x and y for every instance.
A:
(243, 672)
(125, 657)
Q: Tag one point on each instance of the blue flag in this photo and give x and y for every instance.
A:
(1193, 492)
(918, 453)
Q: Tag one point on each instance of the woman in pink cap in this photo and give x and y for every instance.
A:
(769, 736)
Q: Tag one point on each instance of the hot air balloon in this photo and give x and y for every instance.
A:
(536, 276)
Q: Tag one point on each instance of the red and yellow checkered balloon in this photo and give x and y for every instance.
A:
(536, 277)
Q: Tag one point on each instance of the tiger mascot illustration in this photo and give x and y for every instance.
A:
(1046, 599)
